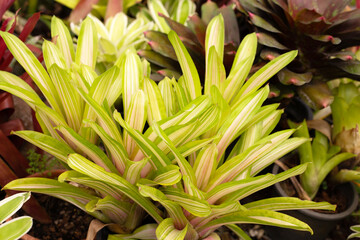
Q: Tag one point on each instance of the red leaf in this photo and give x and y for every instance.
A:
(81, 10)
(4, 5)
(113, 7)
(29, 26)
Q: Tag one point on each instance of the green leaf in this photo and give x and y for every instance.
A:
(69, 97)
(117, 150)
(84, 166)
(167, 231)
(215, 36)
(194, 205)
(191, 76)
(58, 149)
(52, 55)
(33, 67)
(156, 7)
(264, 74)
(155, 103)
(205, 165)
(168, 95)
(256, 216)
(87, 46)
(288, 203)
(116, 210)
(181, 161)
(215, 71)
(12, 204)
(91, 150)
(157, 157)
(15, 228)
(63, 39)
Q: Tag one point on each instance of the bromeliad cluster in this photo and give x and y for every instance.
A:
(166, 153)
(320, 30)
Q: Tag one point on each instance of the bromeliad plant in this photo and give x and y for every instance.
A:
(321, 32)
(177, 170)
(323, 158)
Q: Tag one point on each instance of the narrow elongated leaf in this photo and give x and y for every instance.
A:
(81, 164)
(117, 150)
(287, 203)
(168, 95)
(69, 97)
(58, 149)
(103, 188)
(75, 195)
(136, 118)
(157, 157)
(215, 35)
(15, 228)
(185, 167)
(53, 55)
(156, 7)
(205, 165)
(133, 170)
(91, 150)
(87, 47)
(264, 74)
(146, 231)
(173, 209)
(155, 104)
(12, 204)
(256, 216)
(191, 76)
(63, 39)
(194, 205)
(167, 231)
(33, 67)
(116, 210)
(215, 71)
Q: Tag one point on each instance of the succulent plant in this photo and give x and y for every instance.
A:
(320, 30)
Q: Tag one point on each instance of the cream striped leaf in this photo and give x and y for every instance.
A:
(242, 114)
(106, 122)
(52, 55)
(117, 150)
(167, 231)
(136, 118)
(132, 76)
(53, 146)
(244, 192)
(102, 188)
(215, 71)
(182, 10)
(87, 47)
(63, 40)
(241, 66)
(75, 195)
(69, 97)
(288, 203)
(155, 104)
(215, 36)
(12, 204)
(205, 165)
(156, 7)
(82, 165)
(264, 74)
(172, 208)
(190, 74)
(116, 210)
(180, 94)
(149, 149)
(194, 205)
(192, 189)
(146, 231)
(167, 176)
(256, 216)
(33, 67)
(184, 165)
(133, 170)
(91, 150)
(168, 95)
